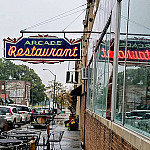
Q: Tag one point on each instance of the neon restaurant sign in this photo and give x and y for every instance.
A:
(136, 51)
(42, 48)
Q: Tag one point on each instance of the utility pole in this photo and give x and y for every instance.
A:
(53, 93)
(5, 89)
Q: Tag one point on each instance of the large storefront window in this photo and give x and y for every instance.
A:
(133, 96)
(132, 105)
(100, 80)
(133, 93)
(137, 98)
(133, 86)
(103, 80)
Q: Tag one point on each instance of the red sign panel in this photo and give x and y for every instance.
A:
(136, 51)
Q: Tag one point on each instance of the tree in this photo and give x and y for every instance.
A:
(62, 96)
(64, 99)
(134, 76)
(58, 88)
(23, 72)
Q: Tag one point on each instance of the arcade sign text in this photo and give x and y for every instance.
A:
(43, 48)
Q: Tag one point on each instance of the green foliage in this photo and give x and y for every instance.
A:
(58, 86)
(23, 72)
(62, 96)
(71, 109)
(135, 76)
(64, 99)
(73, 124)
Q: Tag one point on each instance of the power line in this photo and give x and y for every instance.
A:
(74, 20)
(55, 17)
(130, 20)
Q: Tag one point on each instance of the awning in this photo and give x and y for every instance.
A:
(77, 91)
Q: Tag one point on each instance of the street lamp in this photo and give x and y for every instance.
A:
(54, 88)
(32, 93)
(33, 85)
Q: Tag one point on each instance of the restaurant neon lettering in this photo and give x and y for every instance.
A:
(131, 55)
(42, 48)
(13, 51)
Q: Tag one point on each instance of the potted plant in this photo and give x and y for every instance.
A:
(73, 124)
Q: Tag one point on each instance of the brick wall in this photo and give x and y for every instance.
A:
(100, 137)
(82, 111)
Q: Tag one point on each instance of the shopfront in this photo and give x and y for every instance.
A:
(133, 84)
(123, 107)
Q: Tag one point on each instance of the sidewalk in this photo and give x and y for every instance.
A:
(71, 139)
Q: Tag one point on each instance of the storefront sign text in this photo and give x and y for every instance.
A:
(136, 51)
(43, 48)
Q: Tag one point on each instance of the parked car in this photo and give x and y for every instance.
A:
(33, 112)
(136, 116)
(10, 114)
(144, 123)
(45, 111)
(119, 115)
(23, 111)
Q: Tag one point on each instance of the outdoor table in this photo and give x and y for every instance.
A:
(10, 142)
(42, 119)
(24, 137)
(23, 132)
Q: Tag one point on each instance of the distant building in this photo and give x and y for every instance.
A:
(15, 90)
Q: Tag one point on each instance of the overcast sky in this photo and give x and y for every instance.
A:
(18, 15)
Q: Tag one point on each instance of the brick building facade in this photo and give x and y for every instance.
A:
(103, 121)
(102, 137)
(16, 90)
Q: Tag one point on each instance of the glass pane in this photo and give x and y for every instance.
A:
(101, 81)
(137, 71)
(138, 98)
(89, 91)
(119, 101)
(4, 110)
(99, 87)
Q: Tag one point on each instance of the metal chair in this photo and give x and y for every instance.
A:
(56, 137)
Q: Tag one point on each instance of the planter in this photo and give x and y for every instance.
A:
(72, 123)
(71, 117)
(73, 127)
(67, 121)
